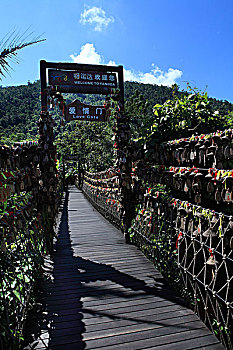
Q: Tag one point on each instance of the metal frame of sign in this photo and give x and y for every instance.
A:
(44, 65)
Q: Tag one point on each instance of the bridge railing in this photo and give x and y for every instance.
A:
(25, 236)
(184, 222)
(102, 190)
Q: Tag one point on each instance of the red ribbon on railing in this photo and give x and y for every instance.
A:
(179, 235)
(149, 223)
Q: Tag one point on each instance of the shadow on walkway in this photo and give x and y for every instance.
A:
(58, 321)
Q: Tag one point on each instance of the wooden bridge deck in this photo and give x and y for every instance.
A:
(104, 294)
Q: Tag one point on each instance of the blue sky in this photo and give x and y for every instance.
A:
(157, 41)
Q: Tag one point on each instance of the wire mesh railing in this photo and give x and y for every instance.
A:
(190, 238)
(192, 246)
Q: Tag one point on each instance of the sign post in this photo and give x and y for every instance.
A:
(94, 79)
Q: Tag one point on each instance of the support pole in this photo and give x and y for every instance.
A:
(43, 86)
(121, 84)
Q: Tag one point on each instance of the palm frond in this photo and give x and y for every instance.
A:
(9, 47)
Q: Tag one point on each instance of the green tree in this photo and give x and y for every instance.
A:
(137, 107)
(185, 115)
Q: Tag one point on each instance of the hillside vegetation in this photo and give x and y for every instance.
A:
(20, 110)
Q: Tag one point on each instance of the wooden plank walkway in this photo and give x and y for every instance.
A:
(104, 294)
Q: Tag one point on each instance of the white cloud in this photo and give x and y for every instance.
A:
(89, 55)
(96, 16)
(155, 76)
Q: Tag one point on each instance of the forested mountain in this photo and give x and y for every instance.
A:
(19, 108)
(20, 105)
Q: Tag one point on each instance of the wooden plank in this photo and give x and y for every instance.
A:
(112, 329)
(85, 284)
(114, 333)
(210, 345)
(76, 312)
(112, 302)
(76, 322)
(109, 309)
(181, 341)
(203, 343)
(95, 328)
(139, 340)
(131, 268)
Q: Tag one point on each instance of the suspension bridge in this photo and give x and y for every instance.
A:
(96, 290)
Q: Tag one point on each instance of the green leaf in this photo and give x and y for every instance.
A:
(5, 205)
(16, 293)
(27, 280)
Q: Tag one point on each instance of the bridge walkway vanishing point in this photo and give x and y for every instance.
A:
(104, 294)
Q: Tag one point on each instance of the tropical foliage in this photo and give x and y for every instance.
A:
(9, 47)
(185, 115)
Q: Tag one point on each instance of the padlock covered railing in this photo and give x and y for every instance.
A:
(23, 243)
(18, 155)
(213, 150)
(102, 190)
(192, 246)
(209, 187)
(29, 201)
(190, 238)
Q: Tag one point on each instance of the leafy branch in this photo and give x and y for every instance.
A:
(9, 47)
(185, 114)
